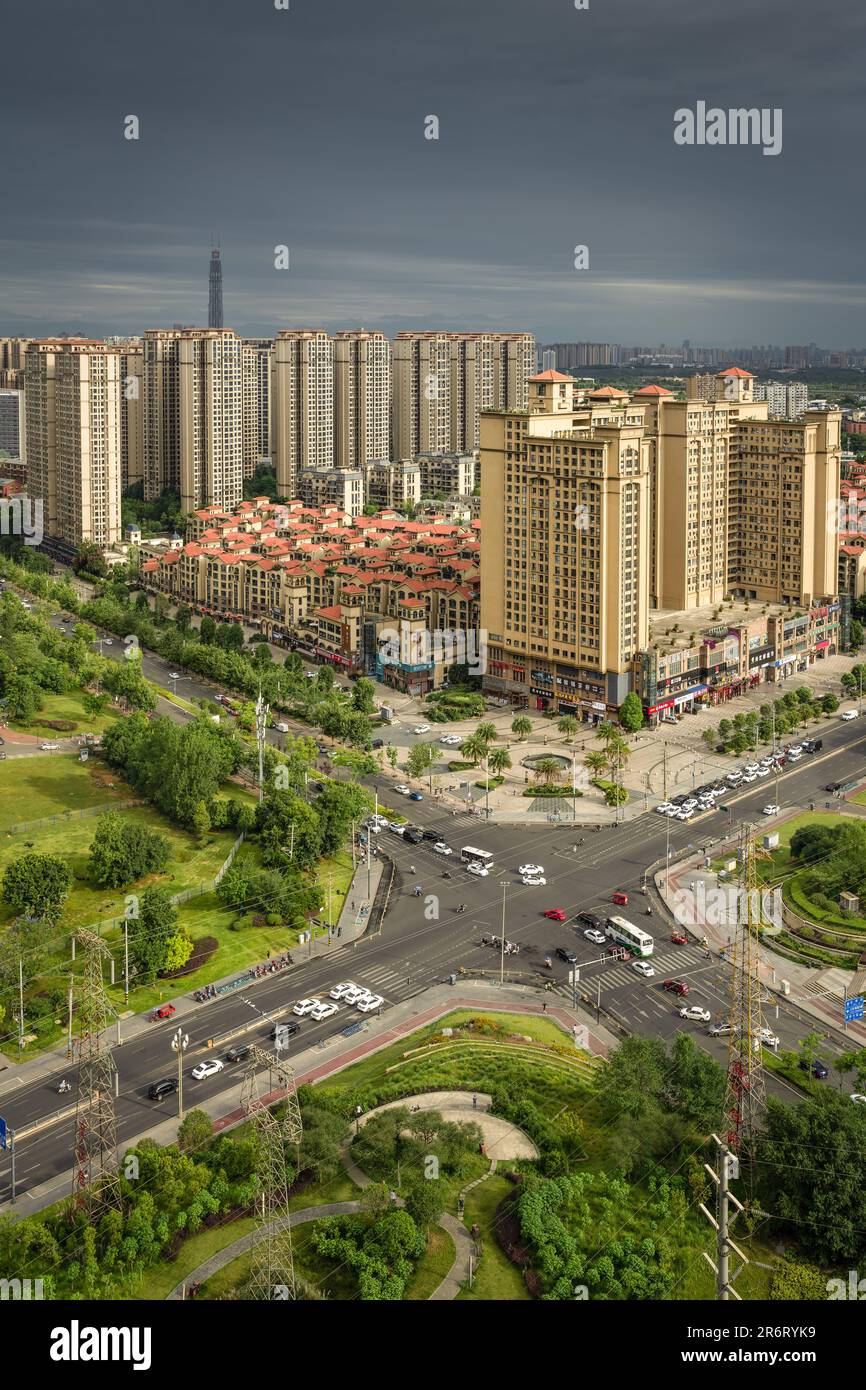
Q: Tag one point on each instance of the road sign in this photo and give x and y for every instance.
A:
(2, 1133)
(855, 1008)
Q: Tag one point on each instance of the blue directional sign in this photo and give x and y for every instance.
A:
(2, 1133)
(854, 1008)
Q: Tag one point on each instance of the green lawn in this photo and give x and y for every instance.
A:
(496, 1279)
(433, 1266)
(35, 787)
(70, 706)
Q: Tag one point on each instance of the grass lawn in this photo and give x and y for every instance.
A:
(433, 1266)
(496, 1278)
(35, 787)
(336, 871)
(159, 1281)
(69, 706)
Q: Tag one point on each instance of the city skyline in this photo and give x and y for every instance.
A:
(323, 151)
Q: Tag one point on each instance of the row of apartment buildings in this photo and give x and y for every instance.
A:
(198, 410)
(600, 510)
(363, 592)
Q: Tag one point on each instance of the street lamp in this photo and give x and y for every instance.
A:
(505, 884)
(180, 1043)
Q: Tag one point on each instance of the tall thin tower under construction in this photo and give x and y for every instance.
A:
(215, 291)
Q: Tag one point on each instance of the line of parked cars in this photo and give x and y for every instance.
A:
(704, 798)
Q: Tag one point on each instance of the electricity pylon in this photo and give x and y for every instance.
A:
(272, 1269)
(745, 1095)
(95, 1178)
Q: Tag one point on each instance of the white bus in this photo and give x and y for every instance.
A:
(635, 940)
(476, 856)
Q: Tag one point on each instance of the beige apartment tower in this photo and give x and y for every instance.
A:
(564, 565)
(257, 355)
(362, 398)
(73, 390)
(132, 414)
(302, 408)
(443, 381)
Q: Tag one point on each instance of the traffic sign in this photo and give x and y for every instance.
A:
(855, 1008)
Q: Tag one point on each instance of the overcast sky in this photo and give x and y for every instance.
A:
(305, 127)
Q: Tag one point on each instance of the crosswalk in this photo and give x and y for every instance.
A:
(382, 979)
(666, 964)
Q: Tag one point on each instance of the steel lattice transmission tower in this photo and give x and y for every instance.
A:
(95, 1177)
(215, 291)
(272, 1269)
(262, 711)
(745, 1094)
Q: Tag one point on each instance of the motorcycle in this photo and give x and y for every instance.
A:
(649, 912)
(462, 907)
(63, 1088)
(446, 874)
(416, 891)
(548, 962)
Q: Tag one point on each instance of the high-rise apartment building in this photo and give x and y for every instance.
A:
(564, 565)
(193, 415)
(257, 358)
(442, 474)
(73, 410)
(131, 413)
(12, 354)
(13, 432)
(785, 399)
(783, 508)
(362, 398)
(302, 405)
(393, 483)
(215, 291)
(443, 381)
(332, 487)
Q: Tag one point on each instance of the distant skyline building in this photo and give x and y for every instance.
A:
(215, 290)
(302, 404)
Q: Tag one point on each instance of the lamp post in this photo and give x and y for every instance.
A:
(180, 1043)
(505, 885)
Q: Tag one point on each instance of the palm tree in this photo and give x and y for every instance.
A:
(487, 732)
(606, 731)
(596, 762)
(567, 726)
(500, 760)
(473, 748)
(521, 727)
(547, 770)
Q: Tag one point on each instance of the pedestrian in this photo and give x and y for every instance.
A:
(474, 1102)
(544, 1007)
(353, 904)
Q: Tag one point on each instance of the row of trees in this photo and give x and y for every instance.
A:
(791, 711)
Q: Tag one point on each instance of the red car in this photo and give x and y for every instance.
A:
(556, 914)
(165, 1011)
(619, 952)
(676, 986)
(620, 898)
(678, 939)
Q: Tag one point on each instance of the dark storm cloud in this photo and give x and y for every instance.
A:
(305, 127)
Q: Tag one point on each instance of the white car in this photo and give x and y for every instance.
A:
(765, 771)
(857, 1098)
(175, 676)
(533, 881)
(795, 748)
(752, 767)
(397, 827)
(664, 807)
(771, 1041)
(107, 642)
(451, 740)
(353, 993)
(403, 789)
(207, 1069)
(369, 1003)
(719, 1030)
(598, 938)
(324, 1009)
(441, 848)
(849, 714)
(49, 747)
(479, 870)
(685, 815)
(339, 991)
(695, 1012)
(421, 729)
(531, 869)
(771, 810)
(642, 968)
(750, 776)
(305, 1006)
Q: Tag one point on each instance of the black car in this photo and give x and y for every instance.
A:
(432, 835)
(812, 745)
(589, 919)
(565, 953)
(817, 1068)
(290, 1029)
(378, 743)
(238, 1054)
(160, 1089)
(832, 786)
(413, 835)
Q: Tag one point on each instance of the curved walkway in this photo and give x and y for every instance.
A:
(502, 1140)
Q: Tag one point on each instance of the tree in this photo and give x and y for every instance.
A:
(364, 695)
(392, 755)
(200, 819)
(194, 1131)
(153, 930)
(207, 630)
(631, 713)
(473, 748)
(709, 737)
(37, 885)
(829, 703)
(182, 618)
(567, 726)
(499, 761)
(23, 698)
(178, 950)
(595, 762)
(425, 1202)
(122, 851)
(421, 757)
(337, 806)
(521, 727)
(324, 678)
(856, 635)
(486, 732)
(547, 771)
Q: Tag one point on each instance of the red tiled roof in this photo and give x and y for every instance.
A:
(653, 391)
(734, 371)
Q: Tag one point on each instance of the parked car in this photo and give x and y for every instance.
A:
(160, 1089)
(591, 920)
(164, 1011)
(676, 987)
(209, 1068)
(696, 1013)
(596, 937)
(555, 914)
(850, 714)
